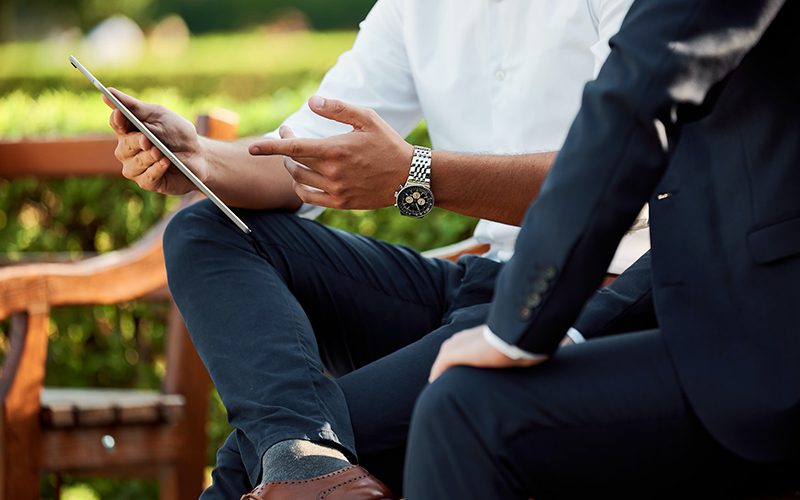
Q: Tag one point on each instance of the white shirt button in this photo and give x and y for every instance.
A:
(500, 75)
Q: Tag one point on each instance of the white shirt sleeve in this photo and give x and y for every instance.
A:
(575, 336)
(608, 16)
(509, 350)
(515, 352)
(375, 74)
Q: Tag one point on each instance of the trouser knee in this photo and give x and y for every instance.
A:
(196, 222)
(442, 403)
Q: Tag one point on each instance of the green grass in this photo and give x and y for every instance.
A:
(242, 65)
(63, 112)
(79, 492)
(261, 76)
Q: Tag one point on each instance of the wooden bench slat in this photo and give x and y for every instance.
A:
(95, 407)
(59, 157)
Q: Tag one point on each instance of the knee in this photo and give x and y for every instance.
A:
(201, 233)
(444, 404)
(187, 227)
(188, 223)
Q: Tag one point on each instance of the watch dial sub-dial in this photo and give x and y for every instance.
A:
(415, 200)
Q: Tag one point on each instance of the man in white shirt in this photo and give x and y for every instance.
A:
(270, 311)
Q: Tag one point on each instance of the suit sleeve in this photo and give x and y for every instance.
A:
(625, 305)
(667, 58)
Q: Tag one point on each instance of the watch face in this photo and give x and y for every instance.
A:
(415, 200)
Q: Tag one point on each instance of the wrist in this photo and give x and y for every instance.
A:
(404, 158)
(414, 197)
(202, 161)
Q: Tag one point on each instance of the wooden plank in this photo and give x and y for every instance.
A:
(98, 407)
(456, 250)
(110, 278)
(82, 450)
(60, 414)
(186, 375)
(60, 157)
(220, 124)
(21, 384)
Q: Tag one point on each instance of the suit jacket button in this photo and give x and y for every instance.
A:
(540, 285)
(525, 312)
(549, 272)
(534, 300)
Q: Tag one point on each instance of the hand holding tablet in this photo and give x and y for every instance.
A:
(155, 141)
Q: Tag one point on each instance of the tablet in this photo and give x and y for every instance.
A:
(161, 147)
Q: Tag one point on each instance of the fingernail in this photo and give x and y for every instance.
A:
(254, 150)
(316, 102)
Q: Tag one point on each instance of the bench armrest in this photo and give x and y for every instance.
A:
(118, 276)
(456, 250)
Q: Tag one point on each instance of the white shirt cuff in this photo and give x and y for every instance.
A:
(307, 211)
(575, 336)
(509, 350)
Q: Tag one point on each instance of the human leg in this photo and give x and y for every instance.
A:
(381, 398)
(265, 310)
(603, 419)
(229, 479)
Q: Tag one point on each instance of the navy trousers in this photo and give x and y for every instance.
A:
(313, 333)
(603, 419)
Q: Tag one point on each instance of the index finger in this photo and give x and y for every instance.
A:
(293, 148)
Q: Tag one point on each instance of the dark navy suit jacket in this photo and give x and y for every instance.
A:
(696, 111)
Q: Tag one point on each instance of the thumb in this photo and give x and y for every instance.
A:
(139, 108)
(341, 112)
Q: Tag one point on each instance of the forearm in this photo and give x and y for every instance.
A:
(246, 181)
(497, 188)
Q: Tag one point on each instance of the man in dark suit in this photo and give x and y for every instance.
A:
(697, 111)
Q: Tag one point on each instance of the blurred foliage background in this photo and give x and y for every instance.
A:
(260, 59)
(33, 18)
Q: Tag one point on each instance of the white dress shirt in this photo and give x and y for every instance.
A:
(488, 76)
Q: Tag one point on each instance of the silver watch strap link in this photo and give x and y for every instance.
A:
(420, 172)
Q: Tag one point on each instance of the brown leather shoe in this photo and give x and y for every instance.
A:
(350, 483)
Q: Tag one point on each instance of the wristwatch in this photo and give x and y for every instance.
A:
(415, 198)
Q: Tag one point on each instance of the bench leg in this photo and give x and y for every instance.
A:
(186, 375)
(20, 389)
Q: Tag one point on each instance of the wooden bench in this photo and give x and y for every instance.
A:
(117, 433)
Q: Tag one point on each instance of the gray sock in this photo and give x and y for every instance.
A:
(299, 459)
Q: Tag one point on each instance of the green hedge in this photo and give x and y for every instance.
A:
(242, 66)
(30, 18)
(123, 346)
